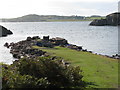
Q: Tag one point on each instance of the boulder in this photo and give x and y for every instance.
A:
(59, 41)
(35, 37)
(6, 45)
(29, 39)
(15, 55)
(4, 31)
(46, 38)
(46, 44)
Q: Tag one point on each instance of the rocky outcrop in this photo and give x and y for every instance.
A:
(24, 48)
(46, 42)
(111, 20)
(4, 31)
(99, 22)
(59, 41)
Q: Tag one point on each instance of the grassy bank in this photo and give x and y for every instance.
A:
(100, 70)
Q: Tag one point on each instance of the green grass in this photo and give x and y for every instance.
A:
(100, 70)
(74, 20)
(92, 18)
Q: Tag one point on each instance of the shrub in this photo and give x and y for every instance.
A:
(13, 79)
(42, 72)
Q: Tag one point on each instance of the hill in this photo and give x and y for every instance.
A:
(41, 18)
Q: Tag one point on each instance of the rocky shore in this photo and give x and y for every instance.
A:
(24, 48)
(110, 20)
(4, 31)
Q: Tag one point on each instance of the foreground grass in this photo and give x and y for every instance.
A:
(100, 70)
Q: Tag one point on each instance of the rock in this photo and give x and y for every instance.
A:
(59, 41)
(53, 58)
(11, 44)
(116, 56)
(35, 37)
(47, 44)
(39, 44)
(98, 22)
(9, 32)
(6, 45)
(15, 55)
(24, 49)
(111, 20)
(4, 31)
(75, 47)
(79, 47)
(29, 38)
(84, 50)
(46, 38)
(90, 51)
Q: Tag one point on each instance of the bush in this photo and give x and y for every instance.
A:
(42, 72)
(13, 79)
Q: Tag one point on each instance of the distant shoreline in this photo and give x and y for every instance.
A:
(50, 18)
(56, 21)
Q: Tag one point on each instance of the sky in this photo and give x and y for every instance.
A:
(17, 8)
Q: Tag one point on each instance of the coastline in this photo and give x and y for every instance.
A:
(35, 40)
(92, 65)
(83, 36)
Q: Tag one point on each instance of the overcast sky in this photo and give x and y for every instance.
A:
(16, 8)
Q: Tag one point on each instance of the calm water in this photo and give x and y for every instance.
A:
(99, 39)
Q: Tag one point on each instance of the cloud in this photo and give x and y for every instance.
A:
(86, 8)
(85, 0)
(15, 8)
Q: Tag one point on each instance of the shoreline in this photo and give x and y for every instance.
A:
(24, 48)
(99, 69)
(51, 21)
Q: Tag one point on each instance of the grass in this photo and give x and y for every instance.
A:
(74, 20)
(100, 70)
(92, 18)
